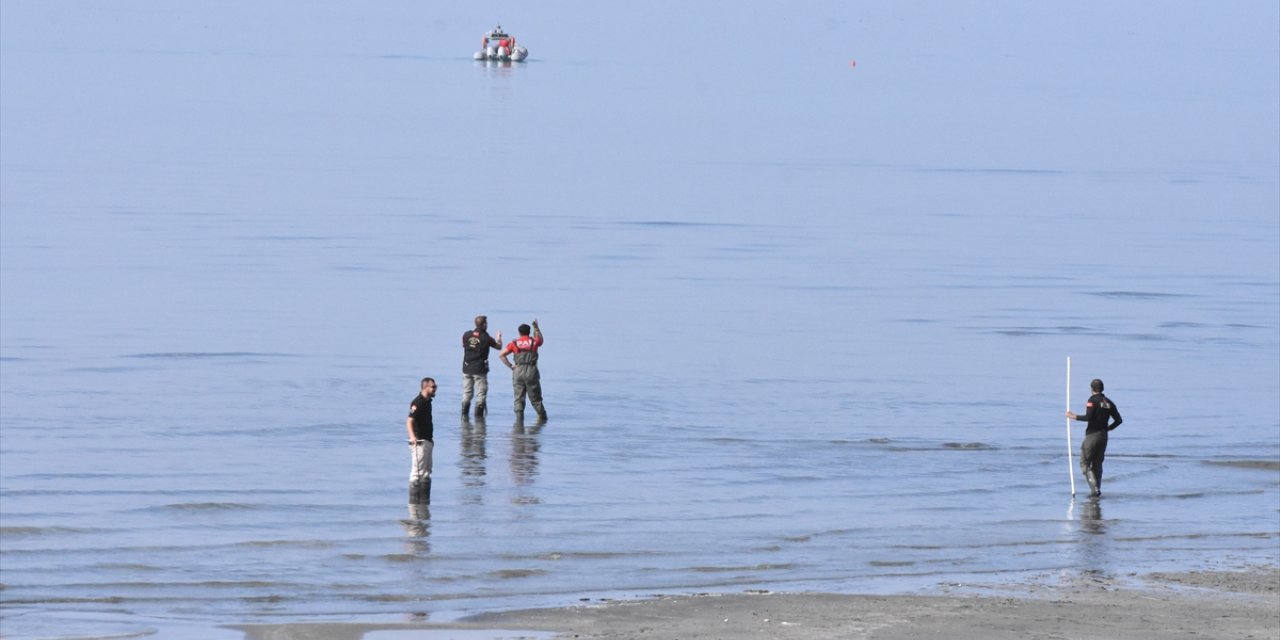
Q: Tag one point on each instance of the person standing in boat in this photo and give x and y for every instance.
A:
(1103, 417)
(525, 379)
(476, 344)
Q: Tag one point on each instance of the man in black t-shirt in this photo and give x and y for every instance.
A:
(421, 443)
(1103, 416)
(476, 344)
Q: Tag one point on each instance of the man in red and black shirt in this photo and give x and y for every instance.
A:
(1103, 416)
(525, 379)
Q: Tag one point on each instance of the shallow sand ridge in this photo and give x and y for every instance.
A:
(1224, 605)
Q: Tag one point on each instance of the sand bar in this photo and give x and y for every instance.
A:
(1224, 605)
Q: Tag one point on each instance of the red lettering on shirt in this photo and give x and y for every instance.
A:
(524, 343)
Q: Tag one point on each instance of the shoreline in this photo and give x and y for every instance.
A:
(1225, 605)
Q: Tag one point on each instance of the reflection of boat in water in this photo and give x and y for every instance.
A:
(497, 45)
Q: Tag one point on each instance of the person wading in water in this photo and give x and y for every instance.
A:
(525, 380)
(1099, 411)
(421, 443)
(476, 344)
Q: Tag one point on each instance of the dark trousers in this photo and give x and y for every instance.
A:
(1092, 451)
(526, 382)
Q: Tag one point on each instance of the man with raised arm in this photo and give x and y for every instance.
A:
(525, 380)
(476, 344)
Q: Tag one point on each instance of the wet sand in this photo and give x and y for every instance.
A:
(1224, 605)
(1268, 465)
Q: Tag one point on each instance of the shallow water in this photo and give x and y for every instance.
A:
(807, 324)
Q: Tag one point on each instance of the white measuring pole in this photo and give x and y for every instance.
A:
(1071, 466)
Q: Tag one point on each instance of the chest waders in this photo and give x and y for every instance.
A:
(525, 381)
(1092, 451)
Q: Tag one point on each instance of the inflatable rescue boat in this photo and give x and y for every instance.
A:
(501, 46)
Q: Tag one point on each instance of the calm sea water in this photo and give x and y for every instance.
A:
(807, 322)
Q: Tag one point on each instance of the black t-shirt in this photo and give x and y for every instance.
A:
(420, 411)
(475, 351)
(1098, 412)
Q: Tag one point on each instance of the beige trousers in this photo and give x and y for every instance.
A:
(421, 467)
(477, 384)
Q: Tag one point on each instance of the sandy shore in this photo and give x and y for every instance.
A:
(1168, 606)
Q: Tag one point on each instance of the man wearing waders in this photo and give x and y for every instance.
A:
(421, 443)
(476, 344)
(1098, 413)
(524, 378)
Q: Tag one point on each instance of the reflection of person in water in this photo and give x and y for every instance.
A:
(1092, 545)
(524, 451)
(1091, 517)
(417, 528)
(472, 464)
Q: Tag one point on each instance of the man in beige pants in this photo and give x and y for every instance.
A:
(421, 443)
